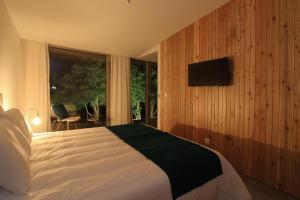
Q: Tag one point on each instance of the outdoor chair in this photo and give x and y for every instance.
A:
(62, 116)
(89, 115)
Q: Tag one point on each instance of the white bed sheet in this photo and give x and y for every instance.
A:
(94, 164)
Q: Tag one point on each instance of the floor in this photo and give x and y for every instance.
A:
(82, 124)
(79, 124)
(260, 191)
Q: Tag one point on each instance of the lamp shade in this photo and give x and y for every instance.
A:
(33, 117)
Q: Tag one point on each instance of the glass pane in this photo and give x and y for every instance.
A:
(138, 86)
(153, 91)
(78, 82)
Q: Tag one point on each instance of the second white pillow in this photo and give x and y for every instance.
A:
(14, 161)
(21, 139)
(16, 117)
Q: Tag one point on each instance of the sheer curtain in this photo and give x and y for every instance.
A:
(119, 93)
(36, 83)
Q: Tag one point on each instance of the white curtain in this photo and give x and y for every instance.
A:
(36, 83)
(119, 97)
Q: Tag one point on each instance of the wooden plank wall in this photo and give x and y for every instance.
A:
(255, 122)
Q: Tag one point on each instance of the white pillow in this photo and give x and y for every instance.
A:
(16, 117)
(14, 161)
(12, 128)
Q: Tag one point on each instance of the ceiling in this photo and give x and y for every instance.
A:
(106, 26)
(153, 57)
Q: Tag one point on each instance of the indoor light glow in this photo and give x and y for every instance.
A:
(36, 121)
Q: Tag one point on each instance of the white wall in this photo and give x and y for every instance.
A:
(11, 72)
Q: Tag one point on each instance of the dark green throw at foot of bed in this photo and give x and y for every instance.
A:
(187, 165)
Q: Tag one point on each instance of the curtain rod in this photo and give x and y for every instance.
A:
(78, 50)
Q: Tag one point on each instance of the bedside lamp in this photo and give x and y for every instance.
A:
(36, 120)
(33, 117)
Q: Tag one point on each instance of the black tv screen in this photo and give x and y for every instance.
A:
(209, 73)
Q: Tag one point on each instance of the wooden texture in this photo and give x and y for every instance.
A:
(254, 122)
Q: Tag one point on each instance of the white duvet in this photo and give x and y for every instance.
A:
(94, 164)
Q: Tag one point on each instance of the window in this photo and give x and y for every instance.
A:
(144, 92)
(153, 91)
(78, 82)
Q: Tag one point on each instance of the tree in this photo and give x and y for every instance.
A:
(84, 84)
(153, 91)
(137, 90)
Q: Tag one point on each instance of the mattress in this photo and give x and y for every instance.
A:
(95, 164)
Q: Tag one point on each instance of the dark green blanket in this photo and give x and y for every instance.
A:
(187, 165)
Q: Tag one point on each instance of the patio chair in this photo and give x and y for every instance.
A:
(62, 116)
(89, 115)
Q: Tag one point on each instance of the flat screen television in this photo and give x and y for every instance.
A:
(209, 73)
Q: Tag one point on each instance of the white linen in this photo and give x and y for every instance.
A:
(95, 164)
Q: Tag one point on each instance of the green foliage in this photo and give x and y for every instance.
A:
(153, 91)
(83, 84)
(138, 86)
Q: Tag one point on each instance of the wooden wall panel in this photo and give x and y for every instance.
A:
(254, 122)
(295, 161)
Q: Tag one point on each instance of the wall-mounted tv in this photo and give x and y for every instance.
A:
(209, 73)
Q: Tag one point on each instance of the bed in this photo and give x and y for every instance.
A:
(95, 163)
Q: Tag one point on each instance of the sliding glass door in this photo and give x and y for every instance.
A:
(144, 92)
(78, 88)
(152, 94)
